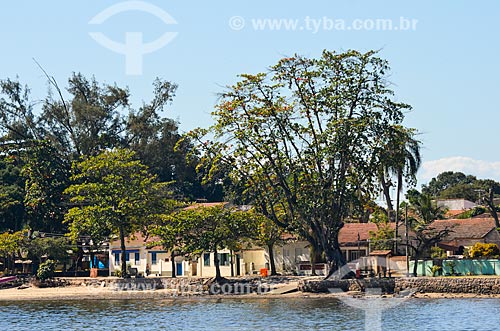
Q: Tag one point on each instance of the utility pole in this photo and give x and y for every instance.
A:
(406, 237)
(396, 234)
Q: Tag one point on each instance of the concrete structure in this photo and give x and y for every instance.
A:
(456, 204)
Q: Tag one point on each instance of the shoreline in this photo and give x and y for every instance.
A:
(280, 287)
(77, 293)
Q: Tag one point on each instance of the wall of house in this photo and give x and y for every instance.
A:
(456, 204)
(159, 263)
(353, 253)
(492, 237)
(254, 260)
(136, 255)
(289, 254)
(205, 266)
(160, 266)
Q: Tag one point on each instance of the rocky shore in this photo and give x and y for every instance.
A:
(418, 285)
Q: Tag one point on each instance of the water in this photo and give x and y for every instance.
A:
(246, 314)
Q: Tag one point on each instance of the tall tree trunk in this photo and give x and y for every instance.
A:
(270, 247)
(398, 192)
(231, 262)
(218, 276)
(387, 194)
(415, 266)
(92, 257)
(124, 251)
(312, 257)
(172, 262)
(336, 260)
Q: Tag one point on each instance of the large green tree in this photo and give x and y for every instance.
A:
(17, 120)
(11, 244)
(113, 193)
(88, 120)
(456, 185)
(306, 137)
(447, 180)
(209, 229)
(12, 215)
(47, 176)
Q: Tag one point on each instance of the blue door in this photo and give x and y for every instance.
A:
(178, 268)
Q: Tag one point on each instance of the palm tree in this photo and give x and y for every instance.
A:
(424, 207)
(401, 158)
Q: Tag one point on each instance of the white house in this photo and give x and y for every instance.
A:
(155, 259)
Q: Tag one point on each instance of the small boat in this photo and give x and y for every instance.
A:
(7, 279)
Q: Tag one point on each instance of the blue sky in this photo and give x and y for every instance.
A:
(447, 67)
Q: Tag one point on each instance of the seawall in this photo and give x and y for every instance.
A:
(472, 285)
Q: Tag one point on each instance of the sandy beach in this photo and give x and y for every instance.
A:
(93, 293)
(85, 293)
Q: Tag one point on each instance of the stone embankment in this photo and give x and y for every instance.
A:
(184, 285)
(472, 285)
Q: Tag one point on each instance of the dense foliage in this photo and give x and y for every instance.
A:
(484, 250)
(307, 138)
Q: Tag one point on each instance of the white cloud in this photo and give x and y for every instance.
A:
(467, 165)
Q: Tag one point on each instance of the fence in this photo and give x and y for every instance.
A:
(463, 267)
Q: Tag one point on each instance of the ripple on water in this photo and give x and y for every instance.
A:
(245, 314)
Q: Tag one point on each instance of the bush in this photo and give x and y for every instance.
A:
(438, 253)
(46, 270)
(473, 212)
(480, 250)
(436, 270)
(451, 265)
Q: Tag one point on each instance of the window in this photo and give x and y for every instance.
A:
(153, 258)
(224, 259)
(137, 259)
(355, 254)
(298, 254)
(127, 257)
(117, 258)
(206, 259)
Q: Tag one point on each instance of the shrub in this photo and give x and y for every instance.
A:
(46, 270)
(451, 265)
(472, 212)
(436, 269)
(438, 253)
(484, 250)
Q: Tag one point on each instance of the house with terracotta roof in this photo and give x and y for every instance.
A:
(291, 257)
(157, 261)
(467, 232)
(147, 260)
(294, 255)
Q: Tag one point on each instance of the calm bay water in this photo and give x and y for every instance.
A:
(246, 314)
